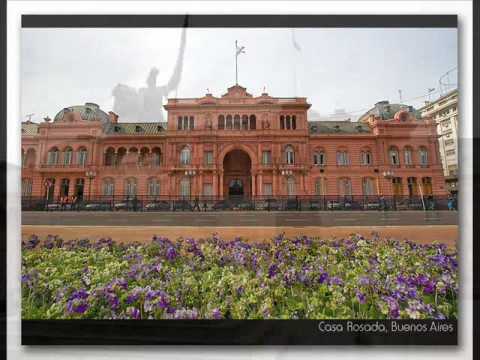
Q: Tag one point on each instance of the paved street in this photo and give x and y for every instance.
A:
(251, 219)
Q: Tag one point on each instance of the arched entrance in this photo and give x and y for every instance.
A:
(237, 174)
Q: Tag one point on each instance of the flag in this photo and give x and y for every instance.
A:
(295, 43)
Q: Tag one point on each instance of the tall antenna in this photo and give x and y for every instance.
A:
(29, 116)
(400, 95)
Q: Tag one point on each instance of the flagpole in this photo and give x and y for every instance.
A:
(236, 66)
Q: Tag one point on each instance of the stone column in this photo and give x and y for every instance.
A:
(200, 184)
(215, 184)
(254, 179)
(259, 186)
(220, 188)
(274, 183)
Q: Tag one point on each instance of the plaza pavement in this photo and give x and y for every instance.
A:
(419, 226)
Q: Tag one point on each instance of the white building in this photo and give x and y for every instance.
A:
(445, 113)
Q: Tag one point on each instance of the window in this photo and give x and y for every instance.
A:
(291, 186)
(185, 123)
(236, 122)
(64, 185)
(110, 157)
(321, 186)
(153, 187)
(345, 187)
(266, 157)
(179, 123)
(229, 122)
(26, 187)
(449, 142)
(131, 187)
(221, 122)
(267, 189)
(289, 155)
(366, 158)
(343, 158)
(53, 156)
(185, 156)
(282, 122)
(157, 157)
(108, 188)
(82, 157)
(423, 155)
(294, 122)
(191, 123)
(67, 156)
(185, 187)
(253, 122)
(208, 157)
(287, 122)
(394, 158)
(407, 154)
(30, 157)
(427, 186)
(412, 186)
(319, 158)
(245, 122)
(207, 189)
(368, 187)
(450, 152)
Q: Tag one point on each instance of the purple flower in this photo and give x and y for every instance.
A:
(335, 281)
(171, 253)
(362, 299)
(323, 277)
(364, 281)
(133, 313)
(429, 287)
(272, 270)
(216, 314)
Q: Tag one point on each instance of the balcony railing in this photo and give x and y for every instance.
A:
(63, 166)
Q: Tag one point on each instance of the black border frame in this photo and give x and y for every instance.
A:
(258, 329)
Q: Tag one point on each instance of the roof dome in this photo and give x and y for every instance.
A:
(89, 112)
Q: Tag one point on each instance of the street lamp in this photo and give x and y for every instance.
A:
(389, 174)
(190, 172)
(287, 172)
(90, 174)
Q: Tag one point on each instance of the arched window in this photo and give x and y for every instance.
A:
(82, 157)
(229, 124)
(366, 158)
(153, 187)
(64, 186)
(108, 187)
(291, 186)
(412, 186)
(121, 153)
(394, 157)
(423, 156)
(185, 187)
(53, 156)
(282, 122)
(144, 155)
(368, 186)
(343, 158)
(221, 122)
(321, 186)
(245, 122)
(30, 158)
(26, 187)
(179, 123)
(110, 157)
(287, 122)
(294, 122)
(157, 157)
(253, 122)
(236, 122)
(345, 187)
(131, 187)
(319, 158)
(191, 123)
(408, 156)
(185, 123)
(289, 155)
(24, 158)
(185, 156)
(427, 186)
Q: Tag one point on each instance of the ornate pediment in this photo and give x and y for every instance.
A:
(237, 91)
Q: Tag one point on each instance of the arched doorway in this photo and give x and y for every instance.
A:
(237, 181)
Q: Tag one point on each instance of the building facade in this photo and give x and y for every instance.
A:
(233, 145)
(444, 111)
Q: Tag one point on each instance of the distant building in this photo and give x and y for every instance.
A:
(444, 111)
(385, 111)
(340, 115)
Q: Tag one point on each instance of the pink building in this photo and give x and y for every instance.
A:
(236, 144)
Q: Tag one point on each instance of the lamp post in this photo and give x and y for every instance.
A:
(90, 174)
(389, 175)
(190, 174)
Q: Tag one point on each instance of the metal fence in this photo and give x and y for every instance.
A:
(262, 203)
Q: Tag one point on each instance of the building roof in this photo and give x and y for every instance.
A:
(338, 127)
(386, 111)
(29, 128)
(448, 94)
(89, 111)
(145, 128)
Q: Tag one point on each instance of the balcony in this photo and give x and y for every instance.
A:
(63, 167)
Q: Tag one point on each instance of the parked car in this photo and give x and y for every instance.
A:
(292, 204)
(371, 205)
(245, 205)
(315, 205)
(333, 205)
(157, 206)
(121, 206)
(182, 205)
(97, 207)
(409, 204)
(273, 205)
(222, 205)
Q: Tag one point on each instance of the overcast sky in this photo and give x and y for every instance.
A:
(334, 68)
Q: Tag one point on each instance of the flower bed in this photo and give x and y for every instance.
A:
(299, 278)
